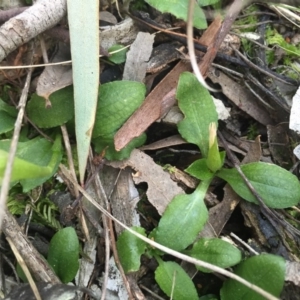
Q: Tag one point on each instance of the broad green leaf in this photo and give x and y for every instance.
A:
(173, 280)
(199, 110)
(179, 8)
(277, 187)
(183, 219)
(83, 17)
(117, 102)
(266, 271)
(130, 248)
(216, 252)
(36, 161)
(61, 110)
(63, 254)
(118, 57)
(107, 144)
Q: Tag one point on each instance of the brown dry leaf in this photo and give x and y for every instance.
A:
(241, 97)
(123, 195)
(164, 143)
(138, 56)
(55, 78)
(161, 189)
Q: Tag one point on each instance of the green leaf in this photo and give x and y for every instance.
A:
(118, 57)
(10, 110)
(276, 186)
(130, 248)
(63, 254)
(216, 252)
(21, 273)
(274, 38)
(266, 271)
(37, 158)
(107, 144)
(215, 159)
(207, 2)
(7, 117)
(174, 281)
(197, 105)
(179, 8)
(61, 110)
(83, 17)
(200, 170)
(183, 219)
(117, 102)
(7, 122)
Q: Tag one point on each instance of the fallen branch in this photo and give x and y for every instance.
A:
(30, 23)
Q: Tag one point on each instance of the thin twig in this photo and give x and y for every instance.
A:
(243, 243)
(13, 146)
(259, 69)
(116, 257)
(151, 292)
(69, 155)
(25, 269)
(190, 42)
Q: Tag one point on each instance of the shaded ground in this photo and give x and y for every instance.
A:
(256, 81)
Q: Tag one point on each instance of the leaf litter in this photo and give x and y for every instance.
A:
(248, 117)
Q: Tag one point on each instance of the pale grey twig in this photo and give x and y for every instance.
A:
(190, 42)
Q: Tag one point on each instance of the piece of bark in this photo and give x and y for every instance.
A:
(137, 57)
(27, 25)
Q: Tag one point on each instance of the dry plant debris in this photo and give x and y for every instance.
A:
(249, 56)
